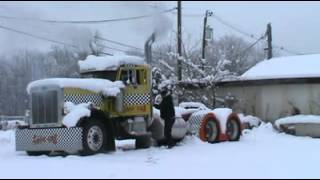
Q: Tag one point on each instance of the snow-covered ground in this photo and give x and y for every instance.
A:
(261, 153)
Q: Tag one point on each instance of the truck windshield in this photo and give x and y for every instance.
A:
(110, 75)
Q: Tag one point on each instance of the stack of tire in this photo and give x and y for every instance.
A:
(215, 126)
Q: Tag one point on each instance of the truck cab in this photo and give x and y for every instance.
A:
(126, 114)
(136, 98)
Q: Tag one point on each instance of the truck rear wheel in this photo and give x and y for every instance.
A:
(143, 142)
(95, 137)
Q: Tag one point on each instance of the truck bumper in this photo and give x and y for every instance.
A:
(49, 139)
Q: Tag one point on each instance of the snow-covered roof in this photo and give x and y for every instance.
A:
(99, 63)
(285, 67)
(106, 87)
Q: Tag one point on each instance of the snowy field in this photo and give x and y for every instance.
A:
(261, 153)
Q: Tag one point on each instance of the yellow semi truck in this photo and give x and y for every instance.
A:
(118, 90)
(112, 100)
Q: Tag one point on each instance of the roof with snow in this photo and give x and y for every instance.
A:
(100, 63)
(303, 66)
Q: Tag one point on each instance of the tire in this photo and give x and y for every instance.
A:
(210, 130)
(233, 129)
(95, 137)
(143, 142)
(37, 153)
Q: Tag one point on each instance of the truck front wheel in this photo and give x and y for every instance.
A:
(94, 137)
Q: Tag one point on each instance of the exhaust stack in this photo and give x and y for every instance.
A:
(148, 48)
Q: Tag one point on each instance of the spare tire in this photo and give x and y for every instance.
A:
(233, 130)
(209, 129)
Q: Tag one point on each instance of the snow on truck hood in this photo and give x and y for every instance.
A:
(106, 87)
(285, 67)
(95, 63)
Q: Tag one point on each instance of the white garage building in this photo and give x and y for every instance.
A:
(276, 88)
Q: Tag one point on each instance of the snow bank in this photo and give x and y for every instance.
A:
(251, 120)
(285, 67)
(7, 125)
(197, 105)
(95, 63)
(75, 113)
(297, 120)
(181, 111)
(106, 87)
(6, 137)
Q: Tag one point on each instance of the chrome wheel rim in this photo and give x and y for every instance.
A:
(95, 138)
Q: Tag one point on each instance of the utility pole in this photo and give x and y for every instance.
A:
(269, 36)
(179, 38)
(204, 42)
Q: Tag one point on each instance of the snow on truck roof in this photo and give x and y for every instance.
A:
(106, 87)
(100, 63)
(285, 67)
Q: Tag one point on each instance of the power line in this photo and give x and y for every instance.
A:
(188, 15)
(288, 51)
(124, 45)
(119, 43)
(113, 48)
(251, 35)
(222, 21)
(251, 46)
(66, 44)
(233, 27)
(108, 54)
(43, 38)
(36, 36)
(90, 21)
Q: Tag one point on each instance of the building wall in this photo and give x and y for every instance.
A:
(271, 102)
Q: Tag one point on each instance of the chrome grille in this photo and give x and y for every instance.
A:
(45, 107)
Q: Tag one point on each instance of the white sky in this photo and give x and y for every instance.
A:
(296, 25)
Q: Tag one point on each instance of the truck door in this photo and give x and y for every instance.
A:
(137, 93)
